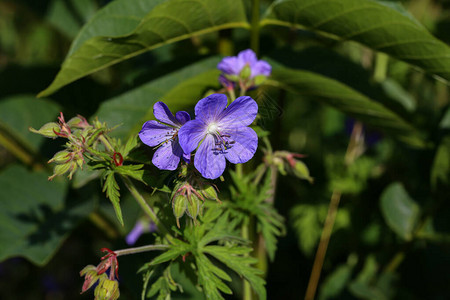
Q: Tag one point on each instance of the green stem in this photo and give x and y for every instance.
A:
(140, 249)
(19, 152)
(381, 65)
(254, 34)
(246, 285)
(106, 143)
(146, 208)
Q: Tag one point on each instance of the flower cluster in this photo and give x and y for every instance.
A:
(218, 133)
(108, 286)
(244, 69)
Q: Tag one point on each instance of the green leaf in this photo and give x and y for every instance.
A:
(117, 18)
(18, 113)
(35, 217)
(371, 23)
(133, 171)
(241, 264)
(400, 212)
(334, 93)
(440, 170)
(209, 279)
(112, 192)
(178, 89)
(167, 22)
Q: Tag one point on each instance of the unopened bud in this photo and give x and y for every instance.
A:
(61, 157)
(193, 206)
(301, 171)
(48, 130)
(245, 72)
(233, 78)
(107, 289)
(60, 170)
(210, 193)
(179, 205)
(90, 277)
(78, 121)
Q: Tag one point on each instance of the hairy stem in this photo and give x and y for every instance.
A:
(146, 208)
(140, 249)
(246, 285)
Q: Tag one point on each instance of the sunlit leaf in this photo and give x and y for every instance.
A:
(168, 22)
(378, 26)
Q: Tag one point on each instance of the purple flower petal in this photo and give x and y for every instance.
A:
(190, 134)
(167, 157)
(135, 233)
(247, 57)
(208, 162)
(182, 117)
(244, 147)
(207, 109)
(230, 65)
(261, 68)
(154, 133)
(242, 112)
(163, 114)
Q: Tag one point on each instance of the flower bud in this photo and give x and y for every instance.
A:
(90, 277)
(107, 289)
(61, 157)
(209, 193)
(259, 79)
(47, 130)
(61, 169)
(301, 171)
(193, 206)
(79, 122)
(179, 205)
(246, 72)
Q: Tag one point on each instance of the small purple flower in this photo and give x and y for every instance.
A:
(164, 135)
(219, 132)
(233, 65)
(140, 228)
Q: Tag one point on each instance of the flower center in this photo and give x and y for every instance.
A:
(213, 128)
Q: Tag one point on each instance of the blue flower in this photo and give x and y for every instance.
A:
(164, 135)
(219, 132)
(234, 65)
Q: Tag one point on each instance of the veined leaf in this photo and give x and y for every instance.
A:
(131, 109)
(369, 22)
(347, 100)
(119, 17)
(167, 22)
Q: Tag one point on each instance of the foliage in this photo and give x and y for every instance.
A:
(356, 105)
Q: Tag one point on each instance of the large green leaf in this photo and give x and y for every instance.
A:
(18, 113)
(167, 22)
(117, 18)
(34, 217)
(378, 26)
(399, 210)
(347, 100)
(178, 89)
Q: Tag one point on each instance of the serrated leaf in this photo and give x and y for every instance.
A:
(331, 92)
(167, 22)
(241, 265)
(133, 171)
(371, 23)
(400, 212)
(112, 192)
